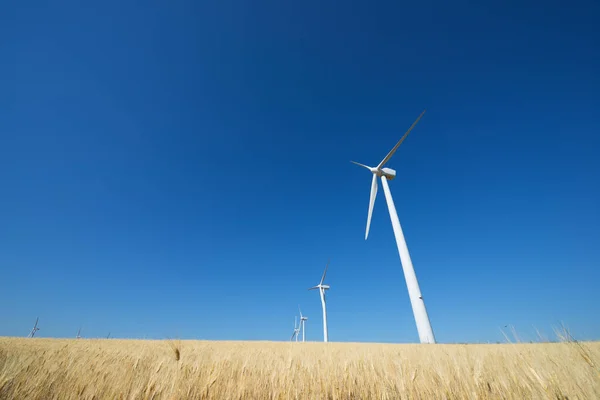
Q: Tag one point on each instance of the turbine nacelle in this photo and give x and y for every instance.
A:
(388, 173)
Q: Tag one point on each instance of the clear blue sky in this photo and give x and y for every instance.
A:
(182, 170)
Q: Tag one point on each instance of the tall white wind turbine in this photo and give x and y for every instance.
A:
(322, 288)
(35, 328)
(414, 292)
(296, 330)
(78, 334)
(303, 320)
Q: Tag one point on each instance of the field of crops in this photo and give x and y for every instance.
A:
(146, 369)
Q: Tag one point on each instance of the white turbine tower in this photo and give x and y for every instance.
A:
(296, 330)
(303, 320)
(322, 288)
(35, 329)
(78, 334)
(416, 299)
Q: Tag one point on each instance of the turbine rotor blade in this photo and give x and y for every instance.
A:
(313, 288)
(371, 204)
(362, 165)
(391, 153)
(324, 273)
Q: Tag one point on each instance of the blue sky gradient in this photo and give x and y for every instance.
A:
(182, 169)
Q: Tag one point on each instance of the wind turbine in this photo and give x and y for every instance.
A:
(322, 288)
(296, 330)
(416, 298)
(78, 334)
(35, 329)
(303, 320)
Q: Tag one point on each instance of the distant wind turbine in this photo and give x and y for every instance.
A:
(296, 330)
(303, 320)
(414, 292)
(35, 328)
(78, 334)
(322, 288)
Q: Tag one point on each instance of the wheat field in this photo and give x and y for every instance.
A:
(165, 369)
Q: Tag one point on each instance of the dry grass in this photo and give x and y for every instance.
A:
(137, 369)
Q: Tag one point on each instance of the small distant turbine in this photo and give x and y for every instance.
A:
(303, 320)
(78, 334)
(296, 330)
(108, 336)
(414, 292)
(322, 288)
(35, 328)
